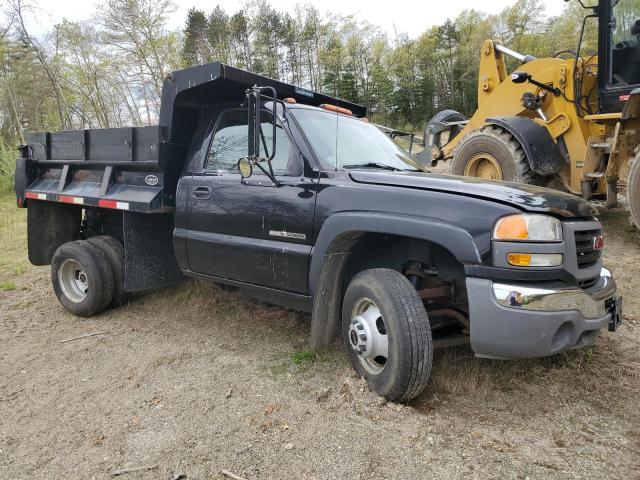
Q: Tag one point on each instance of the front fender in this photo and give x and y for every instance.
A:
(542, 153)
(455, 239)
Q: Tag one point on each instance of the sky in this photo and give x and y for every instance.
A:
(406, 16)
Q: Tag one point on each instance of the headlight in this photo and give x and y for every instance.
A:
(528, 227)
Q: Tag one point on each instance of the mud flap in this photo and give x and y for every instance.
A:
(49, 225)
(150, 261)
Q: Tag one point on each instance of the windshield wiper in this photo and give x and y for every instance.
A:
(382, 166)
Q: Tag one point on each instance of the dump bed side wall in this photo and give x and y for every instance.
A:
(131, 169)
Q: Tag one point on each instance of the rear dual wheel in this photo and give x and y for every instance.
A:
(114, 251)
(87, 275)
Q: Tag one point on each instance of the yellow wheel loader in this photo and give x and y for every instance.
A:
(568, 123)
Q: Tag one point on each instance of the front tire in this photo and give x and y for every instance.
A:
(82, 278)
(387, 335)
(493, 154)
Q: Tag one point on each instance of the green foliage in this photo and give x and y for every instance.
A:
(295, 362)
(8, 286)
(402, 81)
(19, 270)
(109, 71)
(8, 157)
(302, 357)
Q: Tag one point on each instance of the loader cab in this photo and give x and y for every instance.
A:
(618, 52)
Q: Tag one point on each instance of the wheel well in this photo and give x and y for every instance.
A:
(376, 250)
(433, 270)
(426, 264)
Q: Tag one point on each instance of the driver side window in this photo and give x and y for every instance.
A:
(230, 143)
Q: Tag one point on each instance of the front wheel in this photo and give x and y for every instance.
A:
(387, 334)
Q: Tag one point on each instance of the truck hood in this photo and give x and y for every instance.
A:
(528, 198)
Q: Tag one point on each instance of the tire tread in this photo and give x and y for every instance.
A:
(414, 322)
(524, 174)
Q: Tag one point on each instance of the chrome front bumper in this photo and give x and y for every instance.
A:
(590, 306)
(520, 320)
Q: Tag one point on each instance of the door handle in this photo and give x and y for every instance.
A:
(202, 193)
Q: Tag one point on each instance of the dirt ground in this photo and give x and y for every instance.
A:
(193, 380)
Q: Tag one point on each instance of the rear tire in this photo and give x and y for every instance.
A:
(387, 335)
(493, 154)
(633, 192)
(82, 278)
(114, 251)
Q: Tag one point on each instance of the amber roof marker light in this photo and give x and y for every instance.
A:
(336, 109)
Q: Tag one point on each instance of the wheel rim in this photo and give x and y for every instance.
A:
(368, 336)
(73, 280)
(483, 165)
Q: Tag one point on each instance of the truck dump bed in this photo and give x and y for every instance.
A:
(137, 168)
(120, 168)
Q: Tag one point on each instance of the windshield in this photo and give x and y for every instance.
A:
(626, 47)
(343, 142)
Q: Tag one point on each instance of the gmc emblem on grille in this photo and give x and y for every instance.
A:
(598, 242)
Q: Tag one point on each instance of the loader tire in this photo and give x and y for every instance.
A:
(633, 192)
(492, 153)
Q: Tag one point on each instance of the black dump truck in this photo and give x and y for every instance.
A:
(294, 197)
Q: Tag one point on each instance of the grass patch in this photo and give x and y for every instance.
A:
(8, 286)
(20, 270)
(297, 361)
(303, 357)
(13, 236)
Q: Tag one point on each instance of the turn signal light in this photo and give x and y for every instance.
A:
(512, 228)
(534, 259)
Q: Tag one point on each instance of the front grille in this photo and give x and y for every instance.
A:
(585, 253)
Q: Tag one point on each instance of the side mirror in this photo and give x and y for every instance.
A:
(245, 168)
(520, 77)
(256, 135)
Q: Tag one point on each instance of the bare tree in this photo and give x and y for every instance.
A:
(136, 31)
(18, 9)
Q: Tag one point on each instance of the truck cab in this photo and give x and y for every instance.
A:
(295, 198)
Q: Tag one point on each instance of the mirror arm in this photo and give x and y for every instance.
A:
(274, 115)
(268, 173)
(254, 97)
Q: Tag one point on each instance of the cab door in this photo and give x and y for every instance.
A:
(249, 230)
